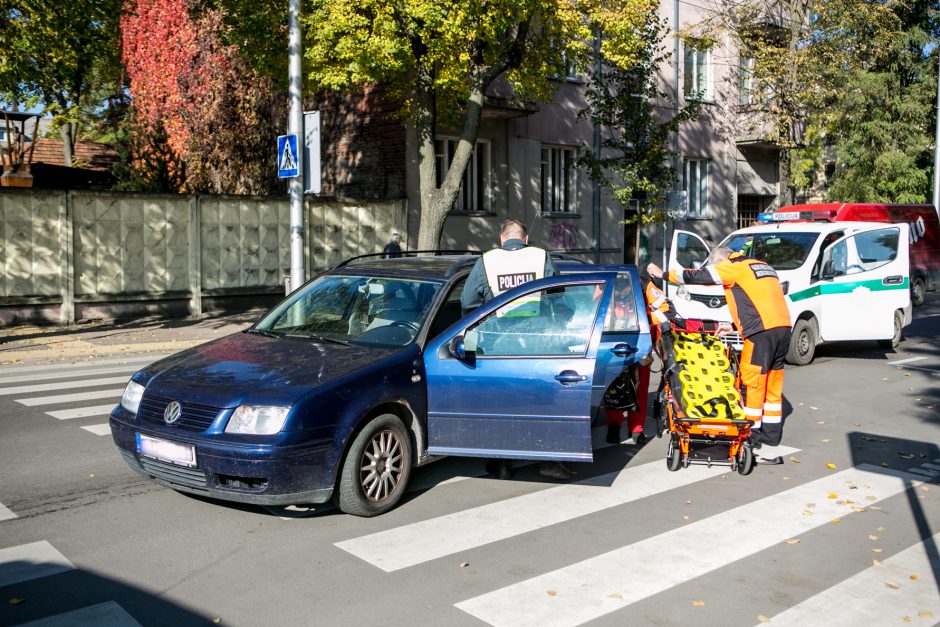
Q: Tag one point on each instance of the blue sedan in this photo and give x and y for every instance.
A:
(370, 369)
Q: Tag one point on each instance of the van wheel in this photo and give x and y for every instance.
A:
(918, 291)
(802, 343)
(376, 469)
(898, 328)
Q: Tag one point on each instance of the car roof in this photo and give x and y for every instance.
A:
(803, 227)
(436, 267)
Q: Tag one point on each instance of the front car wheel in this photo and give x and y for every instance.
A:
(376, 468)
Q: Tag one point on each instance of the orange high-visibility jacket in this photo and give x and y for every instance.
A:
(660, 308)
(752, 288)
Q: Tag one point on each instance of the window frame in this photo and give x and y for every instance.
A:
(697, 202)
(694, 60)
(479, 193)
(563, 200)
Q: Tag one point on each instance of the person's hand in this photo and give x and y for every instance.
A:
(724, 329)
(654, 271)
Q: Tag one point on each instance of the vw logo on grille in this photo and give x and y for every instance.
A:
(714, 302)
(172, 413)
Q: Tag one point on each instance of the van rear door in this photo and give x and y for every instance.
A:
(865, 280)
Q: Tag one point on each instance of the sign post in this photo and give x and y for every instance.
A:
(295, 124)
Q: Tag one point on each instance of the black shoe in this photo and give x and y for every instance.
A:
(640, 438)
(613, 433)
(770, 461)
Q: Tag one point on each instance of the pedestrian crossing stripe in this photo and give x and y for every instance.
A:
(31, 561)
(601, 585)
(108, 614)
(868, 599)
(5, 513)
(63, 385)
(427, 540)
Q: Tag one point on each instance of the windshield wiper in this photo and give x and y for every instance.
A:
(264, 332)
(318, 338)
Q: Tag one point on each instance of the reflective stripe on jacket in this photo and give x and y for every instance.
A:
(661, 308)
(752, 289)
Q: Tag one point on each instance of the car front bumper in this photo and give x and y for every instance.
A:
(258, 475)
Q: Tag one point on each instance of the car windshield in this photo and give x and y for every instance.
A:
(783, 251)
(354, 309)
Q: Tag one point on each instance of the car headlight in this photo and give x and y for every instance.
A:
(132, 395)
(261, 420)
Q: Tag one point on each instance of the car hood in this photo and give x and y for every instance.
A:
(255, 369)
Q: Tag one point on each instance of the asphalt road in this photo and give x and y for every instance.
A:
(845, 532)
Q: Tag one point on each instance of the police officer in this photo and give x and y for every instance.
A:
(760, 313)
(504, 268)
(500, 270)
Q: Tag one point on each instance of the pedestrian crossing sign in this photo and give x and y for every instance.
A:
(287, 166)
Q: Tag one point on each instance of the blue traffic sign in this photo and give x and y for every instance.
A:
(287, 166)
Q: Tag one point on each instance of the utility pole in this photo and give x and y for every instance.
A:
(295, 126)
(936, 150)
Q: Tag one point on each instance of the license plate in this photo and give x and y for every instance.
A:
(182, 454)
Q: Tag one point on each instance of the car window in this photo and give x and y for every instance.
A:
(690, 253)
(450, 311)
(622, 314)
(823, 246)
(862, 252)
(781, 250)
(359, 309)
(556, 321)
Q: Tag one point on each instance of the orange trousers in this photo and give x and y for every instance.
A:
(762, 361)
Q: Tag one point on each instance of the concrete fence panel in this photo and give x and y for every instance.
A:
(31, 245)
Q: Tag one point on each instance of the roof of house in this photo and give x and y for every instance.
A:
(87, 154)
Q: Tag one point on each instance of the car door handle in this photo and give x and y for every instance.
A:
(570, 377)
(892, 280)
(622, 350)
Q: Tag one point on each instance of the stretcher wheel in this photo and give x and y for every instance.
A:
(673, 453)
(745, 459)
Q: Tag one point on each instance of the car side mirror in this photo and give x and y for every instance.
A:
(829, 270)
(456, 347)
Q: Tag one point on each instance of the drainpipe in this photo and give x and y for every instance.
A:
(596, 202)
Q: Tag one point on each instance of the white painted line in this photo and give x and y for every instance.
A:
(108, 614)
(427, 540)
(879, 595)
(921, 369)
(67, 385)
(609, 582)
(104, 429)
(16, 369)
(82, 412)
(71, 398)
(5, 513)
(905, 361)
(76, 372)
(31, 561)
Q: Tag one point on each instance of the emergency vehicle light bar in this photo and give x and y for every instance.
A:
(822, 215)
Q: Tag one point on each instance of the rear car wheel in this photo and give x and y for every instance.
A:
(918, 291)
(376, 469)
(898, 328)
(802, 343)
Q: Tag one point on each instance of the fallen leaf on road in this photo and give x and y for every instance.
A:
(878, 550)
(880, 529)
(836, 520)
(763, 619)
(893, 586)
(875, 563)
(551, 593)
(884, 464)
(885, 379)
(813, 408)
(831, 466)
(16, 601)
(905, 456)
(872, 536)
(217, 621)
(859, 509)
(805, 513)
(615, 596)
(826, 441)
(871, 498)
(792, 541)
(810, 505)
(925, 488)
(833, 495)
(925, 614)
(913, 577)
(874, 507)
(689, 502)
(820, 422)
(794, 460)
(464, 564)
(698, 603)
(906, 619)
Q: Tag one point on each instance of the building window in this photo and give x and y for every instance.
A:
(474, 189)
(559, 180)
(695, 184)
(696, 73)
(746, 81)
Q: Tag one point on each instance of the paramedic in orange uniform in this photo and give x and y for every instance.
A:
(661, 309)
(759, 310)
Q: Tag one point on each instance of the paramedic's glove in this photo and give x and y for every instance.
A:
(654, 271)
(724, 329)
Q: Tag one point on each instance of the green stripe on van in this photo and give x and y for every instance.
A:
(875, 285)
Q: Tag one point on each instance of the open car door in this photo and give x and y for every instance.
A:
(513, 379)
(865, 281)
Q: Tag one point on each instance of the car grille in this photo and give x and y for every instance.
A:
(195, 417)
(171, 473)
(712, 301)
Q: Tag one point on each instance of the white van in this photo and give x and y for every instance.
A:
(844, 281)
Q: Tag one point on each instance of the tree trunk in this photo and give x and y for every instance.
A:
(68, 143)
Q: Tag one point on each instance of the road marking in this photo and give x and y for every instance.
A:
(65, 375)
(71, 398)
(905, 361)
(31, 561)
(104, 429)
(82, 412)
(928, 473)
(16, 369)
(611, 581)
(108, 614)
(879, 595)
(431, 539)
(930, 466)
(49, 387)
(921, 369)
(5, 513)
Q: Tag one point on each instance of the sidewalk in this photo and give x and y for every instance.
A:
(52, 344)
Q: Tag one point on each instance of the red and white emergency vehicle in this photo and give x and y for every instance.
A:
(844, 281)
(924, 238)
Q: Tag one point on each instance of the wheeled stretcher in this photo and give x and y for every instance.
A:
(699, 403)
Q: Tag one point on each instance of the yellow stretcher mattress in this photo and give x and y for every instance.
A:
(702, 378)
